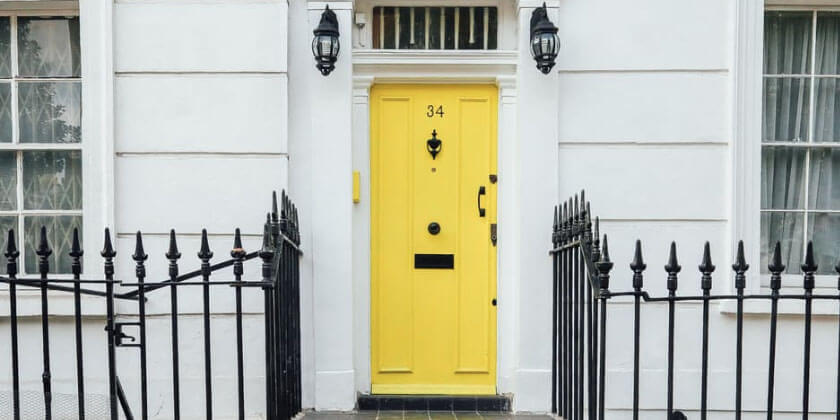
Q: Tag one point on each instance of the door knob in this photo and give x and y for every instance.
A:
(434, 228)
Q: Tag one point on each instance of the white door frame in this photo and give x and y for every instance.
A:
(486, 67)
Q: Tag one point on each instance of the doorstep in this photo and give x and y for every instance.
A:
(453, 403)
(421, 415)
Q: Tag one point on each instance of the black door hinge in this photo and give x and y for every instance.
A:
(493, 233)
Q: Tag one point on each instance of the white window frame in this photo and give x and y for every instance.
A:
(748, 78)
(97, 146)
(19, 148)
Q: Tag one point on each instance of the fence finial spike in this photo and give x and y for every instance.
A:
(588, 213)
(776, 266)
(638, 264)
(266, 249)
(809, 266)
(740, 265)
(139, 252)
(11, 246)
(76, 247)
(43, 249)
(204, 253)
(108, 247)
(237, 251)
(172, 254)
(555, 217)
(706, 266)
(673, 267)
(605, 251)
(596, 228)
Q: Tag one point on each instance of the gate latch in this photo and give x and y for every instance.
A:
(120, 336)
(493, 233)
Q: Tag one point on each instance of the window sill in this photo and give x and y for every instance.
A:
(60, 304)
(820, 307)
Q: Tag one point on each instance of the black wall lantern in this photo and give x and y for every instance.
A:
(544, 40)
(325, 45)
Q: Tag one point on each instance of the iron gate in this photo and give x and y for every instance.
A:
(581, 280)
(279, 283)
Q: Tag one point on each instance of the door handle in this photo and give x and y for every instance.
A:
(481, 191)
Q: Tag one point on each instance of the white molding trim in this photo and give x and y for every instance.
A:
(746, 136)
(434, 66)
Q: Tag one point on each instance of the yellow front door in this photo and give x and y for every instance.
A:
(433, 286)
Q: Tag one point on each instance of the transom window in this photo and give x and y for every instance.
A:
(435, 28)
(800, 153)
(40, 134)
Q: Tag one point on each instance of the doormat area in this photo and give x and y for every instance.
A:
(479, 403)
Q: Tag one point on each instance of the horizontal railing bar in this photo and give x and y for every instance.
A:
(648, 298)
(191, 274)
(37, 283)
(565, 247)
(255, 283)
(39, 280)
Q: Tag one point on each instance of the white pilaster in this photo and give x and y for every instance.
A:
(509, 244)
(537, 145)
(331, 105)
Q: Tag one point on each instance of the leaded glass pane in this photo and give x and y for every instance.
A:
(823, 229)
(50, 112)
(59, 238)
(782, 178)
(435, 28)
(828, 43)
(5, 47)
(49, 47)
(52, 180)
(785, 109)
(827, 110)
(5, 112)
(8, 180)
(824, 184)
(787, 42)
(6, 223)
(787, 229)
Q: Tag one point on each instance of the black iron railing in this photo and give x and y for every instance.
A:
(279, 283)
(582, 292)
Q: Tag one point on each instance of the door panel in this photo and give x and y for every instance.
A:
(433, 329)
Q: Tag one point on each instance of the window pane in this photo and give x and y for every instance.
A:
(787, 38)
(50, 112)
(8, 181)
(828, 43)
(787, 229)
(5, 112)
(785, 109)
(827, 110)
(782, 178)
(824, 229)
(5, 47)
(6, 223)
(59, 238)
(48, 47)
(52, 180)
(824, 184)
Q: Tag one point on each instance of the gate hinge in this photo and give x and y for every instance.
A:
(493, 233)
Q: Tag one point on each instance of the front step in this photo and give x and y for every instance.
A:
(487, 403)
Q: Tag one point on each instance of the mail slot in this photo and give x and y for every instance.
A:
(434, 261)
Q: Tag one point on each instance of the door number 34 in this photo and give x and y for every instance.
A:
(431, 111)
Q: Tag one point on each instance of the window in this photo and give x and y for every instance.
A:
(435, 28)
(40, 134)
(800, 149)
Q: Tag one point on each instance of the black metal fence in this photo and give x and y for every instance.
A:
(279, 283)
(582, 292)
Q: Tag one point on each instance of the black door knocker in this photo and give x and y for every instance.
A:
(434, 144)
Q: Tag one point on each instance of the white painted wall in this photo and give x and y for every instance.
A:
(645, 125)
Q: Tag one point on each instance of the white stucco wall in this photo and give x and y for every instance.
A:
(646, 126)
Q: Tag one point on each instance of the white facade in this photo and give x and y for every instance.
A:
(194, 110)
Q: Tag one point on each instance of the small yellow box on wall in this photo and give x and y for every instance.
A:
(356, 187)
